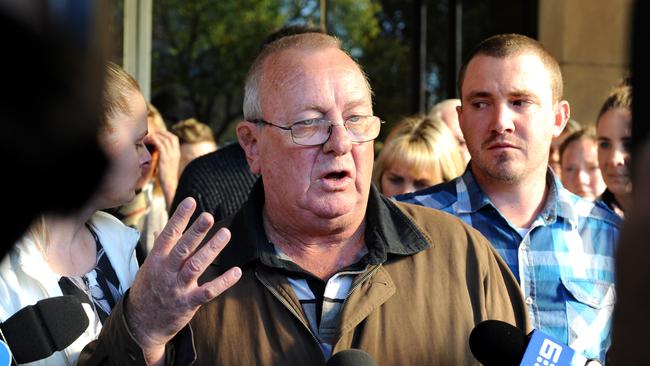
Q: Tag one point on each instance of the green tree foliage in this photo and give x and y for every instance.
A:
(203, 48)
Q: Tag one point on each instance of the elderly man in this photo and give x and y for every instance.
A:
(559, 246)
(324, 262)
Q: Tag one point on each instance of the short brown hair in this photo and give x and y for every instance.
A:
(191, 131)
(506, 45)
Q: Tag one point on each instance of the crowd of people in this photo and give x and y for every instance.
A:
(296, 242)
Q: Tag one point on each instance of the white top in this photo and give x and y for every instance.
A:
(26, 278)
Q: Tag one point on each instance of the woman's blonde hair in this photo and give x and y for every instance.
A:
(118, 89)
(423, 144)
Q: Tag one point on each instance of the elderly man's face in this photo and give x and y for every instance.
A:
(329, 181)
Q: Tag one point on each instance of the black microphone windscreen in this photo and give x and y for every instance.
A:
(37, 331)
(351, 357)
(494, 342)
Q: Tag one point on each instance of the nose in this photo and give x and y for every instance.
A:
(145, 157)
(619, 156)
(408, 188)
(502, 119)
(583, 177)
(339, 142)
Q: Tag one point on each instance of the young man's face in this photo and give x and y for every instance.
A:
(508, 116)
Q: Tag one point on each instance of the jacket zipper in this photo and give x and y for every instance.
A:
(288, 306)
(293, 311)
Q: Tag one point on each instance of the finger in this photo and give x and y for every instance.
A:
(214, 288)
(174, 228)
(190, 240)
(196, 265)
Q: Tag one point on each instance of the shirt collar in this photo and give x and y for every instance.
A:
(388, 232)
(471, 198)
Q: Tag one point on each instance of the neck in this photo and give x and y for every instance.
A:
(319, 254)
(624, 201)
(70, 249)
(521, 201)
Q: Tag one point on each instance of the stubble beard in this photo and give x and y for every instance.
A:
(502, 169)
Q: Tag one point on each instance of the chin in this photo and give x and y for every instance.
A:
(332, 208)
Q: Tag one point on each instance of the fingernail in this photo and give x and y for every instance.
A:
(221, 235)
(204, 223)
(236, 273)
(186, 204)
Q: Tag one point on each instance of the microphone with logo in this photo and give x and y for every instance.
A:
(494, 342)
(37, 331)
(351, 357)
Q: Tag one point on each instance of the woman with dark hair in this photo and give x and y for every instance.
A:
(614, 133)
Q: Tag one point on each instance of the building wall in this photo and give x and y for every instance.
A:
(591, 40)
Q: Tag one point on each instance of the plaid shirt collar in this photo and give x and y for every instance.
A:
(559, 204)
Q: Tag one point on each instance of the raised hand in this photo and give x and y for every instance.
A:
(168, 162)
(165, 294)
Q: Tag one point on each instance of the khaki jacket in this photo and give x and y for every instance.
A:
(429, 280)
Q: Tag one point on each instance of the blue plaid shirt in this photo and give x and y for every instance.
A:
(564, 263)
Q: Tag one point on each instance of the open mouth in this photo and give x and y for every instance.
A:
(336, 175)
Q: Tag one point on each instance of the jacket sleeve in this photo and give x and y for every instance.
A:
(116, 346)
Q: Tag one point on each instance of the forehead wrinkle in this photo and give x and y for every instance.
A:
(285, 73)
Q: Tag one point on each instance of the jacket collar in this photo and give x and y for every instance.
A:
(388, 232)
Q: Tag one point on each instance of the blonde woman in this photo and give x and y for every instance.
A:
(419, 152)
(88, 253)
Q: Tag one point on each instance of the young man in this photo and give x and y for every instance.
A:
(560, 247)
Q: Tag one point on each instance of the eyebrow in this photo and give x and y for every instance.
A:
(515, 93)
(479, 94)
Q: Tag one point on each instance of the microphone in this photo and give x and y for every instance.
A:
(37, 331)
(494, 342)
(351, 357)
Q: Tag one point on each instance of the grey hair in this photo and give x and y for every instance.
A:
(314, 41)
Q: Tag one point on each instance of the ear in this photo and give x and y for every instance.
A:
(247, 133)
(459, 110)
(562, 114)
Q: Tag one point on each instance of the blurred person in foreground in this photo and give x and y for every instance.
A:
(50, 109)
(418, 153)
(323, 261)
(630, 341)
(579, 161)
(88, 253)
(558, 245)
(195, 138)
